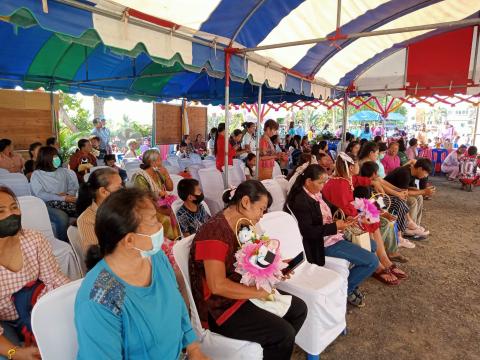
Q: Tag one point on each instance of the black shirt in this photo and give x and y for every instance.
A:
(401, 178)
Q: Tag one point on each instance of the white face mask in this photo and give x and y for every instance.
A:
(157, 241)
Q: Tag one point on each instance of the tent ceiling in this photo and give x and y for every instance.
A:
(171, 48)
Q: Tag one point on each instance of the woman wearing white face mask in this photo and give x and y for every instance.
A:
(56, 186)
(128, 306)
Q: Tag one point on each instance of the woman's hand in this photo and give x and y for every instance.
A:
(402, 194)
(162, 170)
(195, 353)
(70, 198)
(388, 216)
(343, 224)
(27, 353)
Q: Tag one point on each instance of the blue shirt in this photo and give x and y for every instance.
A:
(115, 320)
(104, 135)
(365, 135)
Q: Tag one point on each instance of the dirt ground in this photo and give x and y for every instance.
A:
(435, 314)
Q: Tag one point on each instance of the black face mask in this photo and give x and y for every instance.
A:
(198, 199)
(10, 225)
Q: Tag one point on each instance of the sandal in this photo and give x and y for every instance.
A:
(399, 258)
(380, 277)
(397, 272)
(355, 300)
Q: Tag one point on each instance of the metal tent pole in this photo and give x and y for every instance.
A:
(259, 123)
(55, 124)
(227, 122)
(443, 25)
(476, 125)
(344, 120)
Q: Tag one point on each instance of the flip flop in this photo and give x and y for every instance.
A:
(396, 271)
(386, 271)
(398, 258)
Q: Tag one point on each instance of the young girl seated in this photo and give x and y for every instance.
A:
(192, 214)
(339, 191)
(469, 175)
(250, 165)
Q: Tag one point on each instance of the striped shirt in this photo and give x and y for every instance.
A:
(86, 227)
(38, 264)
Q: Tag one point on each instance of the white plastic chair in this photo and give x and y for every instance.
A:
(195, 158)
(175, 179)
(35, 217)
(277, 194)
(216, 346)
(74, 238)
(53, 319)
(209, 163)
(172, 170)
(184, 163)
(193, 169)
(235, 175)
(322, 289)
(283, 182)
(212, 185)
(173, 160)
(4, 171)
(276, 170)
(17, 182)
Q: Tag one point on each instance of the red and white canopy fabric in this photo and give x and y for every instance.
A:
(441, 61)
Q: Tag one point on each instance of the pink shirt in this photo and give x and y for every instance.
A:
(390, 163)
(411, 153)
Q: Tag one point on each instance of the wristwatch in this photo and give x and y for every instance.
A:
(11, 353)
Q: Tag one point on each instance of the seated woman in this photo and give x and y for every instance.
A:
(339, 191)
(322, 236)
(10, 160)
(83, 160)
(101, 183)
(131, 153)
(56, 186)
(250, 166)
(391, 161)
(353, 148)
(30, 164)
(128, 306)
(26, 262)
(153, 177)
(451, 164)
(221, 300)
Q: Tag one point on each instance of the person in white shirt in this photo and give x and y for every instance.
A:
(248, 141)
(451, 164)
(250, 165)
(182, 151)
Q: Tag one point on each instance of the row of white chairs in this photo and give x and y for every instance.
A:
(322, 288)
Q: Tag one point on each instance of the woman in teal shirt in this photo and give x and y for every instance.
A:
(129, 306)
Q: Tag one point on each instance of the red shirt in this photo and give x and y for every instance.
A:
(339, 192)
(220, 155)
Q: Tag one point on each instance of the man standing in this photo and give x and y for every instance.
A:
(104, 134)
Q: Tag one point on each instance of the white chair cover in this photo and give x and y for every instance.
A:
(172, 170)
(17, 182)
(216, 346)
(74, 238)
(209, 163)
(4, 171)
(277, 171)
(184, 163)
(35, 217)
(173, 160)
(283, 182)
(277, 194)
(322, 289)
(195, 158)
(235, 175)
(53, 323)
(176, 179)
(212, 185)
(193, 169)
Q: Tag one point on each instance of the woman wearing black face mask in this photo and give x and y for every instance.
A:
(26, 263)
(192, 214)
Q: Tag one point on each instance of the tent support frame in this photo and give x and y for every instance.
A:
(257, 139)
(448, 24)
(475, 130)
(227, 122)
(344, 120)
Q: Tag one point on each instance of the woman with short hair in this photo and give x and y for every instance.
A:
(128, 305)
(9, 160)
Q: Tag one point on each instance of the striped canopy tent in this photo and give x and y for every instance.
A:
(367, 115)
(296, 49)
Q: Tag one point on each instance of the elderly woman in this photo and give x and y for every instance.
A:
(128, 306)
(153, 177)
(222, 301)
(132, 149)
(26, 263)
(8, 159)
(391, 160)
(451, 164)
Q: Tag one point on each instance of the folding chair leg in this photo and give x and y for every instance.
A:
(313, 357)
